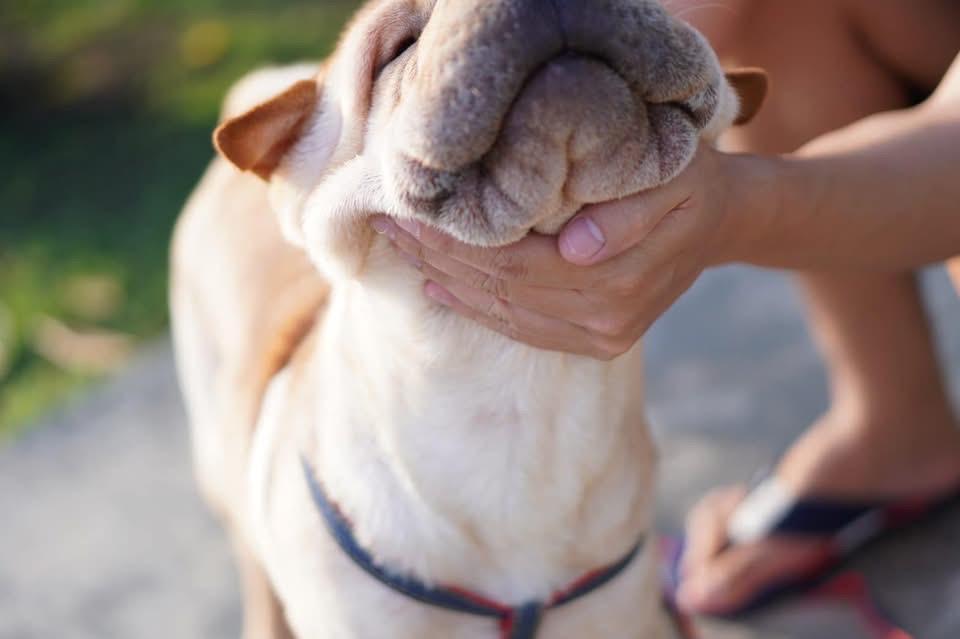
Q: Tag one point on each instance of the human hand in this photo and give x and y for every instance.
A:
(597, 287)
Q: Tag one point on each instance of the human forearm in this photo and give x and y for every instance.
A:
(882, 194)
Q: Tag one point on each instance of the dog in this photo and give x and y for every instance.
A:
(370, 453)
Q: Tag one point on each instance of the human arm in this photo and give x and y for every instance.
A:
(881, 194)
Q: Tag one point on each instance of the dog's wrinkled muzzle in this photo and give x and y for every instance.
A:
(525, 110)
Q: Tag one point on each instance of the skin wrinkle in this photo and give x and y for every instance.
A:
(500, 190)
(613, 153)
(567, 186)
(524, 164)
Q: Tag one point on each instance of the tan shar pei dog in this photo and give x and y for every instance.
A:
(385, 467)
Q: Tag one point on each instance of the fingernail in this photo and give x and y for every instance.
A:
(582, 238)
(438, 294)
(380, 225)
(410, 226)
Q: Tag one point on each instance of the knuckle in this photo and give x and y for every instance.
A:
(491, 284)
(609, 349)
(601, 325)
(611, 325)
(500, 312)
(481, 281)
(491, 310)
(501, 288)
(507, 265)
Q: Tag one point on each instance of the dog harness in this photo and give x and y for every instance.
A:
(514, 622)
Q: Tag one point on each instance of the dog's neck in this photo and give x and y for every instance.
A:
(471, 459)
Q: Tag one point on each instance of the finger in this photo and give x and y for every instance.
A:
(513, 322)
(706, 528)
(570, 305)
(599, 334)
(723, 584)
(533, 260)
(602, 231)
(736, 575)
(427, 257)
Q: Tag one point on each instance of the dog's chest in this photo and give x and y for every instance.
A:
(469, 478)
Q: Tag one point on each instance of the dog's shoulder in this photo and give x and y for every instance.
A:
(242, 301)
(230, 259)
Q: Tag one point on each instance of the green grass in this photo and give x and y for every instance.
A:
(106, 108)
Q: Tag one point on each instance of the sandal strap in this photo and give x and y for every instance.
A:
(772, 508)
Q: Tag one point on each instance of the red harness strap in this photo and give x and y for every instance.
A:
(514, 622)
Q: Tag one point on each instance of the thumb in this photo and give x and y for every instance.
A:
(602, 231)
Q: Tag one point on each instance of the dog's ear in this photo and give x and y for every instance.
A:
(257, 140)
(750, 85)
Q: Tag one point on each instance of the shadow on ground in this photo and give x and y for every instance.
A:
(103, 535)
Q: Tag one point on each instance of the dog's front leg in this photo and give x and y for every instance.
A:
(263, 615)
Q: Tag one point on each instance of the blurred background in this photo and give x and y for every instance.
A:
(106, 110)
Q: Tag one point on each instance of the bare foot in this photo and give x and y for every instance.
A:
(843, 456)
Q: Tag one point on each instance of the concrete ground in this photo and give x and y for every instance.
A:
(102, 535)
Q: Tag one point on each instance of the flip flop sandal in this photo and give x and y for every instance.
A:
(845, 527)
